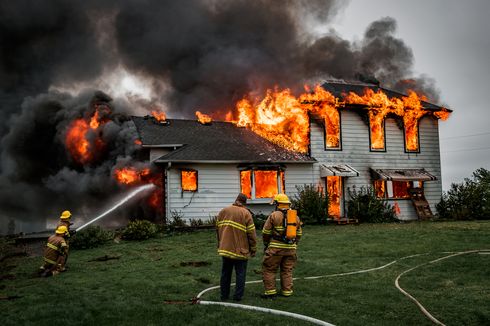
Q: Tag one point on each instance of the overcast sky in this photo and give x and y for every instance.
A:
(450, 40)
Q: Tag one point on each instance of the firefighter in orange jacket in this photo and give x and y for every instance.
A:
(55, 253)
(280, 251)
(236, 243)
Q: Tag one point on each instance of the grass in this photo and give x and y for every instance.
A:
(132, 290)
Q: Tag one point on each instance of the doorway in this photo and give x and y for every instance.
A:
(335, 194)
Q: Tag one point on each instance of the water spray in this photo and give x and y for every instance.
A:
(121, 202)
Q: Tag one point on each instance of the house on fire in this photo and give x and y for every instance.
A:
(204, 166)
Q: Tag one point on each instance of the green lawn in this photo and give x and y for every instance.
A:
(133, 289)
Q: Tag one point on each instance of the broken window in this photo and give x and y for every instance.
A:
(395, 189)
(332, 129)
(188, 180)
(377, 132)
(258, 183)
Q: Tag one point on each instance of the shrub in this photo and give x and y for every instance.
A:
(467, 200)
(139, 230)
(177, 219)
(364, 206)
(312, 204)
(91, 237)
(259, 220)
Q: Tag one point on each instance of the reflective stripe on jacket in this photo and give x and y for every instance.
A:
(236, 232)
(274, 229)
(55, 247)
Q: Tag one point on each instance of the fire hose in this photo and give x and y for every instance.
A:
(122, 201)
(197, 299)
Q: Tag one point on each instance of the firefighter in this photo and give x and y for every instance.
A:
(55, 253)
(65, 220)
(281, 236)
(236, 244)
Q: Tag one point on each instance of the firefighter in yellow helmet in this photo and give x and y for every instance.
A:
(65, 219)
(281, 234)
(55, 253)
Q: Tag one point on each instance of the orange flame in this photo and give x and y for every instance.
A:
(189, 180)
(80, 148)
(443, 114)
(159, 116)
(334, 191)
(203, 118)
(265, 184)
(138, 142)
(131, 176)
(246, 183)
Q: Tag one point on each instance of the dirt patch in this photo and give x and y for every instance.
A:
(105, 258)
(9, 297)
(195, 263)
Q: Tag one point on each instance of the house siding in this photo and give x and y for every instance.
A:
(356, 152)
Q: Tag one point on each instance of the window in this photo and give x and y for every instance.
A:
(377, 132)
(395, 189)
(411, 130)
(332, 129)
(188, 180)
(261, 183)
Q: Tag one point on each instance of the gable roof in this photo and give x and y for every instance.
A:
(338, 88)
(218, 142)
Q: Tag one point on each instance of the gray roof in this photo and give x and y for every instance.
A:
(218, 142)
(338, 88)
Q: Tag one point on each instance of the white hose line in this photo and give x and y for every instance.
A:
(268, 310)
(122, 201)
(424, 311)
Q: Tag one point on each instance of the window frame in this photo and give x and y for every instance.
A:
(280, 181)
(197, 179)
(389, 187)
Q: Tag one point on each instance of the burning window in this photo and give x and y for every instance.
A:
(332, 129)
(189, 180)
(261, 183)
(395, 189)
(377, 131)
(411, 135)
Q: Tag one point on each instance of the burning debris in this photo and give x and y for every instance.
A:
(203, 118)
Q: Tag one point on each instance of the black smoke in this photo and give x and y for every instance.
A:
(200, 55)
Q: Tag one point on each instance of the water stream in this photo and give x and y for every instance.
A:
(121, 202)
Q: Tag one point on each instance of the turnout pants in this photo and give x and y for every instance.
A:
(274, 259)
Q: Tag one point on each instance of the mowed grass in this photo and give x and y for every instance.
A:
(132, 290)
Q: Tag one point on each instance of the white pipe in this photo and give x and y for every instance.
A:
(268, 310)
(125, 199)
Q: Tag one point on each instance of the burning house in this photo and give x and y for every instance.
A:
(337, 136)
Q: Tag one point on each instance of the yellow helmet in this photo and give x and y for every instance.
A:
(65, 215)
(61, 230)
(281, 199)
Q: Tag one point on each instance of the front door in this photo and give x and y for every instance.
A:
(334, 189)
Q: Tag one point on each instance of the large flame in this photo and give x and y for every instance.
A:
(159, 116)
(334, 190)
(82, 148)
(283, 118)
(265, 184)
(246, 183)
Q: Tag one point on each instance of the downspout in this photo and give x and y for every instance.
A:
(165, 201)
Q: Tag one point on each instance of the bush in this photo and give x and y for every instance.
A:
(259, 220)
(91, 237)
(364, 206)
(312, 204)
(177, 219)
(467, 200)
(139, 230)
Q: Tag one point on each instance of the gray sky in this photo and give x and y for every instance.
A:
(450, 40)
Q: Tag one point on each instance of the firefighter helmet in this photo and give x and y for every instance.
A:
(281, 199)
(61, 230)
(65, 215)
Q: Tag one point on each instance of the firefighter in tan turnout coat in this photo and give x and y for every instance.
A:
(236, 243)
(55, 253)
(281, 235)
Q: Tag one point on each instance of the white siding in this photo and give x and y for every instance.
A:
(355, 152)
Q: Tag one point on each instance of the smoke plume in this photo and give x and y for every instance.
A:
(188, 55)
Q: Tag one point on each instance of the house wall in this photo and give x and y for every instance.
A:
(356, 152)
(218, 186)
